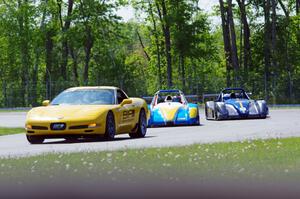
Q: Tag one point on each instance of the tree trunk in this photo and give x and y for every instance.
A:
(182, 66)
(286, 57)
(234, 54)
(49, 50)
(142, 44)
(267, 47)
(157, 44)
(65, 49)
(226, 39)
(24, 47)
(74, 65)
(163, 15)
(246, 39)
(38, 51)
(87, 49)
(298, 13)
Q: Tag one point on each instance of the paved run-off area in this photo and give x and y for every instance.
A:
(281, 123)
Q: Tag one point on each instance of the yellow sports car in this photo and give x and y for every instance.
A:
(87, 112)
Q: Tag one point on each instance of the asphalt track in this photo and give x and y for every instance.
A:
(281, 123)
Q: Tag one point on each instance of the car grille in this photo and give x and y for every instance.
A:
(58, 126)
(79, 127)
(39, 128)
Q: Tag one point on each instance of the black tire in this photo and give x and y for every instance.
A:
(35, 139)
(142, 126)
(216, 115)
(110, 129)
(206, 112)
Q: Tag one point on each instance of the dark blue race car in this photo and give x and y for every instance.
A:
(234, 103)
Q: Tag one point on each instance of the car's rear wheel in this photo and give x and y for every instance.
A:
(110, 129)
(35, 139)
(142, 126)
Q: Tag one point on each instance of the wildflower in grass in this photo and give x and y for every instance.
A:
(166, 165)
(108, 154)
(241, 170)
(56, 161)
(67, 166)
(177, 156)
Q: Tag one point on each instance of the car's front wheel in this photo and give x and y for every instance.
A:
(110, 129)
(142, 126)
(35, 139)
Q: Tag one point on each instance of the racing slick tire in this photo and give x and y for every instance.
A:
(35, 139)
(142, 126)
(110, 128)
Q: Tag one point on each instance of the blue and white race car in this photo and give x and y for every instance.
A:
(170, 107)
(234, 103)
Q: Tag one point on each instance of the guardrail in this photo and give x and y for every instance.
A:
(15, 109)
(283, 105)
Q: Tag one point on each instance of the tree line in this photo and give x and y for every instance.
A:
(49, 45)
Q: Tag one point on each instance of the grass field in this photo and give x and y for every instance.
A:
(10, 131)
(253, 160)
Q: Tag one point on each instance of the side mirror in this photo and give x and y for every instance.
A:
(46, 103)
(126, 101)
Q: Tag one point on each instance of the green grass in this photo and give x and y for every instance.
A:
(10, 131)
(252, 160)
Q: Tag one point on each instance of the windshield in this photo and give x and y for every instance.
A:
(234, 94)
(85, 97)
(169, 97)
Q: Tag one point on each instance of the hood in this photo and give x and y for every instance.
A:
(67, 112)
(169, 110)
(241, 105)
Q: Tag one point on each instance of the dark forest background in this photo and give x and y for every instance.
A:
(49, 45)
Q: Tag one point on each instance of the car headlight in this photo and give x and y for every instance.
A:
(93, 125)
(28, 126)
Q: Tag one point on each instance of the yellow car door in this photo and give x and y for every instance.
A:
(126, 112)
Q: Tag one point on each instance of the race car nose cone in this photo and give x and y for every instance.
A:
(243, 109)
(168, 113)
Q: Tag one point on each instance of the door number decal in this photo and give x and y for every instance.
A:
(128, 114)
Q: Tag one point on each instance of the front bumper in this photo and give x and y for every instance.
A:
(231, 117)
(189, 122)
(43, 128)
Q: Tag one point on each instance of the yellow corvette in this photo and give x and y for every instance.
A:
(87, 112)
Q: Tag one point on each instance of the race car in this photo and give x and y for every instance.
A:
(170, 107)
(235, 103)
(87, 112)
